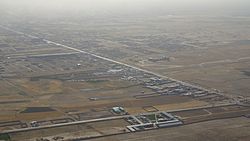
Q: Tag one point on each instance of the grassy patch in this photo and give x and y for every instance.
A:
(151, 117)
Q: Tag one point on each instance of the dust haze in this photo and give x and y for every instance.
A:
(126, 7)
(100, 69)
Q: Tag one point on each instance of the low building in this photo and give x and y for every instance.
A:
(118, 110)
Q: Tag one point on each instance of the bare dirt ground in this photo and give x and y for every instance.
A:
(217, 130)
(218, 68)
(209, 52)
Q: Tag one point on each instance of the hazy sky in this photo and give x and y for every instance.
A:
(234, 7)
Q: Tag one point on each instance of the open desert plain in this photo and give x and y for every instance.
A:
(124, 71)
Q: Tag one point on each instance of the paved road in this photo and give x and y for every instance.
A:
(65, 124)
(104, 58)
(105, 119)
